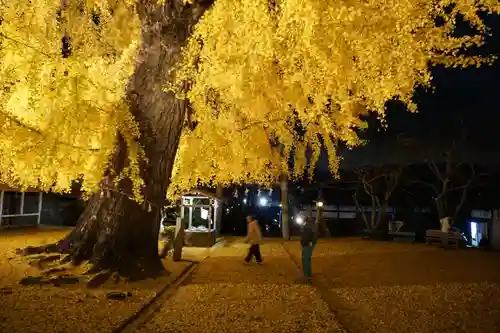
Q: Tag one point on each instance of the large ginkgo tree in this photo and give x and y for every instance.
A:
(99, 91)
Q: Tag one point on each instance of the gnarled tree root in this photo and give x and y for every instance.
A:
(52, 260)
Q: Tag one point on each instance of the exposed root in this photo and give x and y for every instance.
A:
(53, 271)
(65, 260)
(56, 281)
(99, 279)
(58, 268)
(32, 250)
(107, 238)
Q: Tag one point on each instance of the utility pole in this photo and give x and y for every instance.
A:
(285, 228)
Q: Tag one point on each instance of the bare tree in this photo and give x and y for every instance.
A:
(378, 183)
(451, 182)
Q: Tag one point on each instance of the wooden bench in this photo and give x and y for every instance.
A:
(402, 236)
(434, 236)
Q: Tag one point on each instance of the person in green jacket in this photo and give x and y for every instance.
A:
(308, 241)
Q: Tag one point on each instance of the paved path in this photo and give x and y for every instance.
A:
(226, 295)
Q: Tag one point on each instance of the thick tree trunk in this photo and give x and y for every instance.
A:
(381, 216)
(441, 207)
(115, 232)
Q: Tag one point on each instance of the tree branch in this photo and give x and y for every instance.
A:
(367, 186)
(51, 57)
(258, 123)
(465, 190)
(392, 181)
(26, 45)
(434, 168)
(20, 123)
(428, 184)
(463, 197)
(361, 210)
(379, 204)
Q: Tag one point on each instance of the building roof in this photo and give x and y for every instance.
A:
(7, 188)
(204, 192)
(409, 153)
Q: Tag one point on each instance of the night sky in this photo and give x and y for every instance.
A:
(465, 102)
(462, 96)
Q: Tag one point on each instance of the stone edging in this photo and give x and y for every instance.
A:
(133, 322)
(323, 292)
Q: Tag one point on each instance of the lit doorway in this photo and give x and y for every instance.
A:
(478, 230)
(474, 234)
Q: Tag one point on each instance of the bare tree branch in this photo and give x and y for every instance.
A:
(435, 169)
(379, 185)
(392, 181)
(361, 210)
(428, 184)
(446, 176)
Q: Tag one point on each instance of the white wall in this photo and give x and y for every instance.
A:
(494, 232)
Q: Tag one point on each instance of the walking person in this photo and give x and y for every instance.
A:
(254, 238)
(308, 241)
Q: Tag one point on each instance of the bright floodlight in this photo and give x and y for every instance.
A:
(319, 203)
(245, 200)
(299, 220)
(263, 201)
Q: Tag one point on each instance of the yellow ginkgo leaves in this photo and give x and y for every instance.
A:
(59, 115)
(302, 72)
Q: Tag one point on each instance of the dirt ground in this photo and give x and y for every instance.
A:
(70, 308)
(397, 287)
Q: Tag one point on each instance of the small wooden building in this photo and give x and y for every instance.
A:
(201, 213)
(18, 209)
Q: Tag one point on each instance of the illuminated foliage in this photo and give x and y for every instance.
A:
(258, 72)
(62, 107)
(266, 79)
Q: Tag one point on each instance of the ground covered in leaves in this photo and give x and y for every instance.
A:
(63, 301)
(226, 307)
(224, 294)
(396, 287)
(358, 286)
(226, 265)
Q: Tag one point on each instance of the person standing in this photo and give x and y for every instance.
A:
(308, 241)
(254, 238)
(445, 228)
